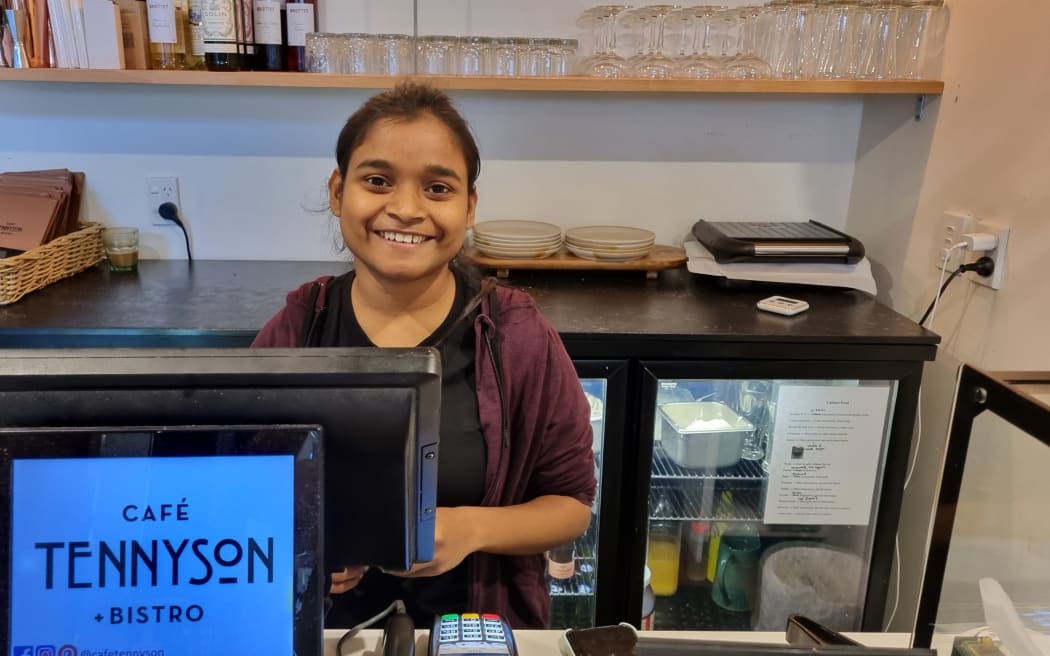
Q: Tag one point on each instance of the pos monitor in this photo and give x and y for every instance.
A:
(158, 499)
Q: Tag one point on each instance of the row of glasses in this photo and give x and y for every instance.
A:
(790, 39)
(669, 41)
(401, 54)
(854, 39)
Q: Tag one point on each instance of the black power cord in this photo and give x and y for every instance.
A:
(984, 268)
(170, 212)
(395, 628)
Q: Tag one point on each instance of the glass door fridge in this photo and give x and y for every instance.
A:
(574, 576)
(764, 490)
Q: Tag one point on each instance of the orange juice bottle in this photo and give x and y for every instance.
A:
(665, 548)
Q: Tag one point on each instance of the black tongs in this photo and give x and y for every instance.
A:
(805, 632)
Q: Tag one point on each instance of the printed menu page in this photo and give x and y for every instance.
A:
(826, 453)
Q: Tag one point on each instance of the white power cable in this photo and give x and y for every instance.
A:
(968, 243)
(897, 592)
(944, 269)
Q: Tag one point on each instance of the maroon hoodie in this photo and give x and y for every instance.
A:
(546, 449)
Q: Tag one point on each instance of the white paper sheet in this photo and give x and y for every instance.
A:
(855, 276)
(825, 457)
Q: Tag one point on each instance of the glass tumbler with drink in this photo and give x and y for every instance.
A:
(122, 248)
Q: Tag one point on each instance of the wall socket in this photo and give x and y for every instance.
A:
(953, 226)
(998, 254)
(161, 190)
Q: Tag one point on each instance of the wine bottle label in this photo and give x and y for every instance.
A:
(218, 26)
(300, 21)
(196, 41)
(268, 22)
(196, 17)
(246, 28)
(162, 25)
(561, 570)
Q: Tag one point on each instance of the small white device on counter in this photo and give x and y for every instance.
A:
(783, 305)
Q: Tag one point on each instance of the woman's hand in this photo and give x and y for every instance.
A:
(453, 541)
(347, 579)
(527, 528)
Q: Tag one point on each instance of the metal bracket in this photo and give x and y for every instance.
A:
(920, 106)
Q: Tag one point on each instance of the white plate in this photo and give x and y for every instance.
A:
(517, 230)
(510, 250)
(605, 255)
(514, 243)
(598, 245)
(603, 234)
(518, 254)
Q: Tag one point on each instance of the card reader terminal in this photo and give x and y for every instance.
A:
(471, 633)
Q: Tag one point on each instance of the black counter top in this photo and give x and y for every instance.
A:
(234, 298)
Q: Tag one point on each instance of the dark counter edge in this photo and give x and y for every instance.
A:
(679, 315)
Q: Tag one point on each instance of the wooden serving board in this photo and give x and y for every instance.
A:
(659, 259)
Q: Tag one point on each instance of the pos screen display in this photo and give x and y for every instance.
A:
(162, 540)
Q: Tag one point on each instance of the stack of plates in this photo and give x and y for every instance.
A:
(512, 239)
(613, 243)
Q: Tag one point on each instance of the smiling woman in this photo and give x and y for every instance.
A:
(516, 474)
(404, 205)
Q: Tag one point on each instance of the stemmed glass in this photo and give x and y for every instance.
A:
(698, 64)
(605, 62)
(746, 64)
(650, 61)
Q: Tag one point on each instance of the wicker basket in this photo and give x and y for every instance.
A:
(43, 265)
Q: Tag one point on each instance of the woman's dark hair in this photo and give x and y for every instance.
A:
(408, 101)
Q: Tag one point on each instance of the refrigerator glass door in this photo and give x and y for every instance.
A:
(763, 497)
(572, 568)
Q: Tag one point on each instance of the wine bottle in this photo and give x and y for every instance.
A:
(166, 44)
(300, 18)
(561, 561)
(219, 33)
(269, 40)
(246, 34)
(194, 36)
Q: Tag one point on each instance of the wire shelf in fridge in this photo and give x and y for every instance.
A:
(698, 503)
(744, 470)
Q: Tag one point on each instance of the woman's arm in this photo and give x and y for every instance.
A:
(521, 529)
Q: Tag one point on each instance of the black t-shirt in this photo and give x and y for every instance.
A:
(461, 472)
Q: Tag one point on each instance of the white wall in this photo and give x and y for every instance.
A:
(989, 154)
(252, 162)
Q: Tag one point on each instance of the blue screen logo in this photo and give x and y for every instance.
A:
(186, 555)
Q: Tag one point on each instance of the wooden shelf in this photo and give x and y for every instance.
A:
(525, 84)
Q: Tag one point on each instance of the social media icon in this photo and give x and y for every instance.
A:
(45, 650)
(67, 650)
(22, 651)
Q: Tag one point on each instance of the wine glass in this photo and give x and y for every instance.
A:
(605, 62)
(698, 64)
(746, 64)
(650, 61)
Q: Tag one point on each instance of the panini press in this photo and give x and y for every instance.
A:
(777, 242)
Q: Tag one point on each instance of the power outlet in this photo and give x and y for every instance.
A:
(998, 254)
(953, 226)
(159, 191)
